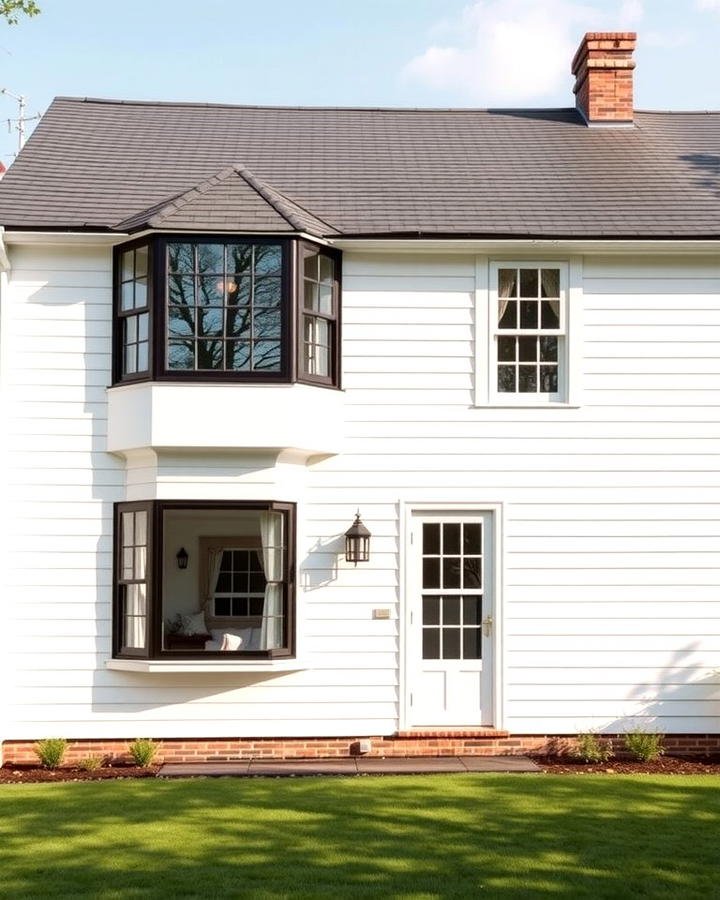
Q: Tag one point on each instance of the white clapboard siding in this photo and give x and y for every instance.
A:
(611, 563)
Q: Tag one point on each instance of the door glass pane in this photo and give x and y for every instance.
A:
(451, 538)
(451, 572)
(451, 610)
(431, 537)
(451, 643)
(431, 643)
(431, 610)
(472, 610)
(472, 572)
(472, 643)
(431, 573)
(472, 537)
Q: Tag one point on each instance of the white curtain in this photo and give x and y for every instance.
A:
(271, 537)
(507, 287)
(135, 615)
(213, 573)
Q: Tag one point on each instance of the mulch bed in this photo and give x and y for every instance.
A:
(17, 774)
(666, 765)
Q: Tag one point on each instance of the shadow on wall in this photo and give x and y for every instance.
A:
(707, 166)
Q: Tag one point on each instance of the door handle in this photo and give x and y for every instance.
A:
(487, 624)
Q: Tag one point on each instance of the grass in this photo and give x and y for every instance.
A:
(418, 838)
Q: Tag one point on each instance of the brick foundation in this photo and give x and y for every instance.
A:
(403, 744)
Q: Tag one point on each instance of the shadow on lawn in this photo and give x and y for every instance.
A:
(430, 837)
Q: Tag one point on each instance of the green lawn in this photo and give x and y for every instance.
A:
(494, 836)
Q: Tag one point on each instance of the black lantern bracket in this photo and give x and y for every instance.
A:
(357, 542)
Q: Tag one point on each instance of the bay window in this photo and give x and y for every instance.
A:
(226, 308)
(235, 596)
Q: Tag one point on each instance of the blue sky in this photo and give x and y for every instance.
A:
(334, 52)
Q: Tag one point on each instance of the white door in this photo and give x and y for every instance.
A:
(450, 619)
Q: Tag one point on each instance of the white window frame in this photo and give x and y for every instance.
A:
(486, 361)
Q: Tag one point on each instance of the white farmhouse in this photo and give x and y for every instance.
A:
(494, 334)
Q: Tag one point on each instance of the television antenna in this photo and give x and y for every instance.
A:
(19, 123)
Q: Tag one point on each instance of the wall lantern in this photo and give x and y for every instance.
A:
(357, 542)
(182, 558)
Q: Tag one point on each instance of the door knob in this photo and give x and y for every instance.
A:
(487, 624)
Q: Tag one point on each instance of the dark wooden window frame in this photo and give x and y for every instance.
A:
(333, 320)
(156, 510)
(291, 313)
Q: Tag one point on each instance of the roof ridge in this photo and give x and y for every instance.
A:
(280, 202)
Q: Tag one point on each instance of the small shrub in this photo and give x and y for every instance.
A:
(51, 752)
(646, 746)
(91, 763)
(143, 751)
(592, 749)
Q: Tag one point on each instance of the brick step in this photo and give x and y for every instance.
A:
(454, 733)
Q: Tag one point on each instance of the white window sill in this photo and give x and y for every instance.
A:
(493, 405)
(203, 665)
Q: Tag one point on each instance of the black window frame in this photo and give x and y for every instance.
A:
(156, 510)
(291, 307)
(304, 249)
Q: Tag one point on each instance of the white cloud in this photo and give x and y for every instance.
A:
(712, 5)
(509, 51)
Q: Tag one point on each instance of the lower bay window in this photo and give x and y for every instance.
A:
(233, 597)
(226, 308)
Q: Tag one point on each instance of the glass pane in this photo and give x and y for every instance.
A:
(224, 583)
(141, 262)
(528, 314)
(266, 323)
(256, 563)
(180, 258)
(472, 610)
(135, 594)
(128, 529)
(181, 355)
(327, 269)
(548, 379)
(226, 561)
(267, 292)
(140, 562)
(321, 365)
(549, 313)
(209, 354)
(311, 295)
(240, 583)
(141, 293)
(222, 606)
(451, 643)
(211, 258)
(548, 349)
(257, 582)
(130, 330)
(527, 381)
(451, 572)
(127, 295)
(239, 606)
(256, 606)
(210, 321)
(431, 610)
(239, 291)
(431, 643)
(472, 572)
(507, 314)
(550, 283)
(238, 355)
(472, 643)
(311, 266)
(143, 324)
(181, 290)
(451, 537)
(143, 357)
(528, 282)
(238, 321)
(527, 347)
(506, 379)
(211, 290)
(128, 556)
(472, 538)
(431, 537)
(266, 356)
(239, 258)
(507, 283)
(506, 349)
(268, 259)
(325, 305)
(181, 320)
(141, 527)
(451, 610)
(130, 361)
(127, 270)
(431, 573)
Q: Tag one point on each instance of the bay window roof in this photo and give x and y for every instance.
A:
(513, 173)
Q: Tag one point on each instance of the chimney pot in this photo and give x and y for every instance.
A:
(603, 69)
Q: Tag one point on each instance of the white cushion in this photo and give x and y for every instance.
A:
(194, 623)
(231, 642)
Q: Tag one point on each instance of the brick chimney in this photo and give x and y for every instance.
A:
(603, 69)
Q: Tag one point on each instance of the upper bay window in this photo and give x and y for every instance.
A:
(226, 308)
